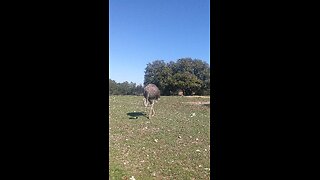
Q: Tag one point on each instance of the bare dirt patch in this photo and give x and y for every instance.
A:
(198, 103)
(197, 96)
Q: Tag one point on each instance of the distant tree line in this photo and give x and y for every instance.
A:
(191, 76)
(124, 88)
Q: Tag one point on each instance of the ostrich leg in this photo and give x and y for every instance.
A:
(145, 102)
(152, 112)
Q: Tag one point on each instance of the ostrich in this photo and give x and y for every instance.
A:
(151, 94)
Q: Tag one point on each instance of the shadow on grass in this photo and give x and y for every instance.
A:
(136, 115)
(207, 105)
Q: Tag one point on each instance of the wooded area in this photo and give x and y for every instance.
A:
(191, 76)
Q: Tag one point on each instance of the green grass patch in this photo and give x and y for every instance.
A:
(174, 144)
(115, 173)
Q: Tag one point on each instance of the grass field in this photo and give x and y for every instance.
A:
(175, 144)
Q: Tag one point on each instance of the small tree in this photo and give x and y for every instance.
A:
(139, 90)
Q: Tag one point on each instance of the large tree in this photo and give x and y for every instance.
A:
(187, 82)
(189, 75)
(158, 73)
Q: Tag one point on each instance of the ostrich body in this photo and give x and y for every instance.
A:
(151, 94)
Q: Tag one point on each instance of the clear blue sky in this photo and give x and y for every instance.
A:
(141, 31)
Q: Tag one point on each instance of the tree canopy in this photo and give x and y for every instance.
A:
(192, 76)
